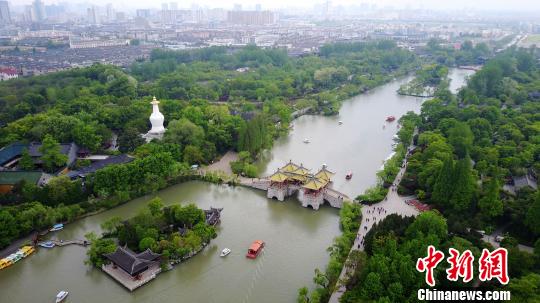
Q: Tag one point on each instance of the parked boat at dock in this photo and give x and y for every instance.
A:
(255, 249)
(46, 244)
(56, 227)
(4, 263)
(27, 250)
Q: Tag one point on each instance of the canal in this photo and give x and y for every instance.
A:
(296, 238)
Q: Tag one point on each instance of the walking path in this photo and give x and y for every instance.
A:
(392, 204)
(223, 165)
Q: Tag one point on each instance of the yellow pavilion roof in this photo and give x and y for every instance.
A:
(315, 183)
(289, 167)
(279, 177)
(297, 176)
(324, 174)
(301, 170)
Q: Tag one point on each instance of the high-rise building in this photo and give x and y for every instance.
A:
(110, 12)
(38, 11)
(143, 13)
(5, 16)
(250, 17)
(92, 15)
(120, 16)
(164, 6)
(237, 7)
(173, 6)
(258, 7)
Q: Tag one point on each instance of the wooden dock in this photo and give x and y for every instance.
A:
(70, 242)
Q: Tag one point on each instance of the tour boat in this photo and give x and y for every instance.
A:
(27, 250)
(15, 257)
(306, 140)
(349, 176)
(47, 244)
(61, 296)
(390, 118)
(5, 263)
(254, 249)
(56, 227)
(225, 252)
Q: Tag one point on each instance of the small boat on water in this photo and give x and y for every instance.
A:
(340, 122)
(61, 296)
(349, 176)
(56, 227)
(255, 249)
(5, 263)
(15, 257)
(27, 250)
(390, 118)
(225, 252)
(306, 140)
(47, 244)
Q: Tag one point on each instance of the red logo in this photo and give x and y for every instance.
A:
(460, 265)
(428, 263)
(494, 265)
(491, 265)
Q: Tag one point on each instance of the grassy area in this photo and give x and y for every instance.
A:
(530, 40)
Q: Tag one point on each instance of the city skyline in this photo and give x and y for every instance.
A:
(483, 5)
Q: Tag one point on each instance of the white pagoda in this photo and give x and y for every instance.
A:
(156, 119)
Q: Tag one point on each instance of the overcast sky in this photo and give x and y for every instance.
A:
(514, 5)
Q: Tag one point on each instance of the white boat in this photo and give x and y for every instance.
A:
(306, 140)
(61, 296)
(225, 252)
(340, 122)
(57, 227)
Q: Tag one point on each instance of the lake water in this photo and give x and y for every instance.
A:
(296, 237)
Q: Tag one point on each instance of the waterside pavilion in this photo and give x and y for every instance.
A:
(131, 269)
(311, 189)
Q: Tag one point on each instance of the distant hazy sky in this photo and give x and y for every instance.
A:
(513, 5)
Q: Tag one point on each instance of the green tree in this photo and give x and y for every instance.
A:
(442, 190)
(51, 155)
(98, 248)
(146, 243)
(490, 204)
(155, 205)
(184, 132)
(111, 226)
(461, 138)
(463, 185)
(26, 162)
(189, 215)
(129, 139)
(531, 219)
(9, 230)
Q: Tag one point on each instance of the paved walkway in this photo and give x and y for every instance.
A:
(392, 204)
(223, 165)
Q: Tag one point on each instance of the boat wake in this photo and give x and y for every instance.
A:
(256, 275)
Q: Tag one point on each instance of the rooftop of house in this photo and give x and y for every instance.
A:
(523, 181)
(131, 262)
(65, 148)
(13, 177)
(99, 165)
(10, 152)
